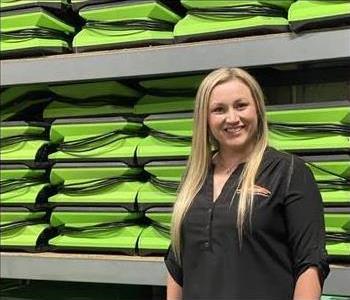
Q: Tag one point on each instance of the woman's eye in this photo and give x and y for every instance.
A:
(217, 109)
(242, 105)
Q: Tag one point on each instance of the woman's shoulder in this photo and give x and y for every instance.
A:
(273, 158)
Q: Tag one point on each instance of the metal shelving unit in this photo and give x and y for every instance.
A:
(194, 57)
(116, 269)
(276, 49)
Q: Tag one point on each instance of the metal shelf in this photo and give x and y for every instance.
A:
(116, 269)
(181, 58)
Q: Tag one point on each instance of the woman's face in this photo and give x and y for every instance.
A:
(232, 117)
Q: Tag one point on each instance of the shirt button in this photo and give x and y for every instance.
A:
(206, 245)
(210, 210)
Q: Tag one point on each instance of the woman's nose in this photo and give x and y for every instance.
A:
(232, 116)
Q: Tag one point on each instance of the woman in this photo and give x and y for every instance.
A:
(248, 220)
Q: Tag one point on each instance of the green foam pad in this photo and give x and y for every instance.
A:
(193, 28)
(32, 18)
(26, 237)
(99, 39)
(106, 89)
(154, 104)
(23, 93)
(338, 231)
(15, 23)
(31, 144)
(331, 173)
(115, 193)
(212, 24)
(175, 84)
(285, 4)
(113, 239)
(6, 5)
(308, 14)
(127, 10)
(92, 38)
(111, 144)
(28, 187)
(152, 240)
(59, 109)
(155, 148)
(334, 113)
(156, 193)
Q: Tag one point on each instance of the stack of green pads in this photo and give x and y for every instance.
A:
(24, 229)
(314, 14)
(157, 195)
(34, 28)
(210, 19)
(123, 24)
(24, 185)
(94, 172)
(22, 102)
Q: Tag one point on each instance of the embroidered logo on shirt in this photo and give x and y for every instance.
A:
(259, 190)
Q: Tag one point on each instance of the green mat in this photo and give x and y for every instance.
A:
(96, 139)
(125, 24)
(307, 128)
(95, 184)
(91, 99)
(22, 229)
(6, 5)
(95, 229)
(222, 19)
(22, 102)
(33, 31)
(155, 239)
(161, 187)
(175, 94)
(169, 138)
(24, 142)
(337, 224)
(23, 186)
(315, 14)
(332, 173)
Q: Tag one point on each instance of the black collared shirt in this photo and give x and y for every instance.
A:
(286, 236)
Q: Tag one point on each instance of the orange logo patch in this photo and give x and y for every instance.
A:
(259, 190)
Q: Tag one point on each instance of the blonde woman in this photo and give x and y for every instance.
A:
(248, 219)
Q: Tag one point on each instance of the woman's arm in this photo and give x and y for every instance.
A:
(174, 291)
(308, 285)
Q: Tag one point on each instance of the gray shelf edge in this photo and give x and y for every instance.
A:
(117, 269)
(180, 58)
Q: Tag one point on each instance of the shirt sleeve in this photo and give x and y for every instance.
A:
(305, 221)
(174, 269)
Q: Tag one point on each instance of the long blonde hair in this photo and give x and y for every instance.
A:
(200, 157)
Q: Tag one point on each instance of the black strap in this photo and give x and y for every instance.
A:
(18, 224)
(12, 140)
(35, 33)
(312, 128)
(238, 11)
(98, 141)
(9, 185)
(91, 186)
(166, 185)
(338, 237)
(63, 229)
(130, 25)
(170, 137)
